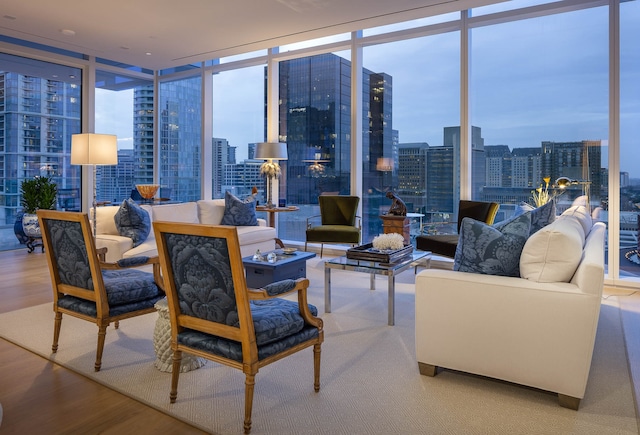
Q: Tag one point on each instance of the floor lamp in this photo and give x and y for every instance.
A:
(270, 151)
(94, 149)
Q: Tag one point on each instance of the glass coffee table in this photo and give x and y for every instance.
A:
(373, 268)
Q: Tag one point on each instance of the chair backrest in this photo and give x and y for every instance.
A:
(71, 254)
(204, 280)
(478, 210)
(338, 209)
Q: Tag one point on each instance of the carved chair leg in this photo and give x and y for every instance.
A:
(57, 323)
(102, 333)
(321, 246)
(568, 402)
(427, 369)
(175, 375)
(305, 246)
(248, 400)
(316, 367)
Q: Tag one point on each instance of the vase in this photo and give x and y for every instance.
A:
(30, 225)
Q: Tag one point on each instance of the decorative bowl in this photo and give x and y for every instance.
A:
(289, 251)
(147, 191)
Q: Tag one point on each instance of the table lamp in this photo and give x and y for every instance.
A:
(271, 152)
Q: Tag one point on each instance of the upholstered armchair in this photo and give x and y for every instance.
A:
(88, 289)
(338, 222)
(445, 244)
(215, 316)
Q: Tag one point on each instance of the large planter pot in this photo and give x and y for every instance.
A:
(30, 225)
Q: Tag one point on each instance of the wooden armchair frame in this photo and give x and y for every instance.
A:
(63, 289)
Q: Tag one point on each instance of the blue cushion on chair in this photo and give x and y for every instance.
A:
(492, 250)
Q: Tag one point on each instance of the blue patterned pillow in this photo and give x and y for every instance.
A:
(238, 212)
(132, 221)
(492, 250)
(540, 217)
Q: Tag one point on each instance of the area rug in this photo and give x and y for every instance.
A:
(370, 382)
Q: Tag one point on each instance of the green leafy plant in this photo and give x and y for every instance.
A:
(38, 193)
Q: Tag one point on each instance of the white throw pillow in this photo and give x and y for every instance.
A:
(553, 253)
(581, 214)
(211, 211)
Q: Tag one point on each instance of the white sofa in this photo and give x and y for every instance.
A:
(208, 212)
(538, 330)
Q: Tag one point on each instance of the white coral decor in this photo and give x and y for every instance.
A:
(388, 241)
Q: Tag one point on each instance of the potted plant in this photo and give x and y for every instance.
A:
(37, 193)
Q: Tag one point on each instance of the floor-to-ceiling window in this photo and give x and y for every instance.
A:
(539, 107)
(629, 140)
(40, 107)
(238, 123)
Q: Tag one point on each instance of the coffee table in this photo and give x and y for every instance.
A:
(373, 268)
(261, 273)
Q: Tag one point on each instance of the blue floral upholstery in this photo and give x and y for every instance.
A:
(238, 212)
(127, 290)
(492, 250)
(204, 284)
(280, 287)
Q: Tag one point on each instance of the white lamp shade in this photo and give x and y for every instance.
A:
(271, 151)
(94, 149)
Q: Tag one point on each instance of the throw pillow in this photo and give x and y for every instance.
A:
(582, 215)
(237, 212)
(492, 250)
(540, 216)
(132, 221)
(553, 253)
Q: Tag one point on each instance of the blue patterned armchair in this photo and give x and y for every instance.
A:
(88, 289)
(215, 316)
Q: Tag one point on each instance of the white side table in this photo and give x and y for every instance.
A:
(162, 344)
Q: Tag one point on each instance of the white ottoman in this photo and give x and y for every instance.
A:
(162, 343)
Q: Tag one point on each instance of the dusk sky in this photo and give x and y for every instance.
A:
(543, 79)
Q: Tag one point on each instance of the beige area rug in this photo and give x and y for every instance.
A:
(369, 382)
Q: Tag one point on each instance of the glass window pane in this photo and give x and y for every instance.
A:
(629, 134)
(539, 99)
(40, 108)
(124, 107)
(412, 110)
(238, 123)
(180, 117)
(315, 122)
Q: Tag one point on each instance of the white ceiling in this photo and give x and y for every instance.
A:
(180, 32)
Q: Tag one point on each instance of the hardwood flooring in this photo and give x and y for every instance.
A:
(41, 397)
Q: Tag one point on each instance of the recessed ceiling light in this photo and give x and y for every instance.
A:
(148, 53)
(68, 32)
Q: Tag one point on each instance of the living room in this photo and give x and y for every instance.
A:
(621, 273)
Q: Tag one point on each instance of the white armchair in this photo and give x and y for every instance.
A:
(530, 332)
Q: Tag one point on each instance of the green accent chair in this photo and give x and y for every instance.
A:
(446, 244)
(338, 221)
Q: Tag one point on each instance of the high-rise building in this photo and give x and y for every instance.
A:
(37, 118)
(412, 175)
(498, 165)
(526, 168)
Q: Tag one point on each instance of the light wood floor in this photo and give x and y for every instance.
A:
(41, 397)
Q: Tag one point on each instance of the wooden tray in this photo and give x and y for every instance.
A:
(368, 253)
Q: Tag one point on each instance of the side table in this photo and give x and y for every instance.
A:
(162, 344)
(271, 215)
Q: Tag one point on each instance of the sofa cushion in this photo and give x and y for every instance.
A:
(210, 211)
(581, 214)
(553, 253)
(184, 212)
(238, 212)
(132, 221)
(105, 223)
(540, 216)
(492, 250)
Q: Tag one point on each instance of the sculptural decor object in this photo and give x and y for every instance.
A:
(398, 207)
